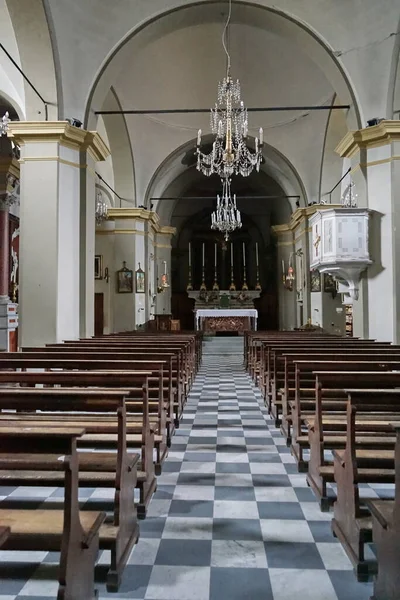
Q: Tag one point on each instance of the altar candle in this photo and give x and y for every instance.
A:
(199, 137)
(203, 254)
(190, 254)
(232, 255)
(283, 266)
(165, 267)
(215, 257)
(244, 255)
(257, 254)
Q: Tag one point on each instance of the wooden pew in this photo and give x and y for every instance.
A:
(70, 531)
(174, 390)
(15, 360)
(352, 522)
(386, 536)
(117, 471)
(327, 429)
(103, 430)
(303, 403)
(4, 535)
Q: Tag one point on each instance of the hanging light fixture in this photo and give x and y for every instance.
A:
(230, 154)
(226, 217)
(101, 209)
(5, 120)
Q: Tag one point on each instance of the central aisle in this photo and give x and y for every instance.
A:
(232, 519)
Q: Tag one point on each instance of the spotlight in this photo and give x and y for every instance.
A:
(373, 122)
(75, 123)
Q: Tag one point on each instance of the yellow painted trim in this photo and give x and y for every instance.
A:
(370, 137)
(63, 161)
(163, 246)
(143, 215)
(10, 165)
(23, 132)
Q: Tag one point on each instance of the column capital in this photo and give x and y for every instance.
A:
(22, 132)
(369, 137)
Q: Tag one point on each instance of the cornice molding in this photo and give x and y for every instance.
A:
(141, 214)
(369, 137)
(299, 217)
(62, 132)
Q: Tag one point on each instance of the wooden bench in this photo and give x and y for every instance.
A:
(352, 522)
(303, 404)
(102, 432)
(115, 470)
(386, 536)
(74, 533)
(327, 429)
(17, 361)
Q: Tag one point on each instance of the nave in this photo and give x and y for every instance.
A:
(231, 519)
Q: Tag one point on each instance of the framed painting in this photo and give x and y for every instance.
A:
(124, 280)
(329, 284)
(140, 281)
(315, 279)
(98, 266)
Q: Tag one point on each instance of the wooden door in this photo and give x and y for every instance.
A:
(98, 314)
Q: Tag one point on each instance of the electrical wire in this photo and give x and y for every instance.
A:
(228, 68)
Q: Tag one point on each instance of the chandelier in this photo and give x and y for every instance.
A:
(229, 123)
(5, 120)
(226, 218)
(101, 209)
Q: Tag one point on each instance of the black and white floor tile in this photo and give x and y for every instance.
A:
(231, 519)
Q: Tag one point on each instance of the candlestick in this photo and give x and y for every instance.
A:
(244, 255)
(283, 266)
(165, 267)
(231, 255)
(257, 254)
(215, 257)
(190, 254)
(203, 255)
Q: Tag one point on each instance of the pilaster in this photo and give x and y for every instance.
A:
(375, 155)
(56, 216)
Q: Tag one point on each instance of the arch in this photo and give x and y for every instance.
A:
(275, 165)
(32, 35)
(323, 54)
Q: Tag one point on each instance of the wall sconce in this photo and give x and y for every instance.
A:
(164, 279)
(106, 275)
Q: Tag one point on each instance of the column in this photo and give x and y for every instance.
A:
(163, 249)
(55, 230)
(9, 177)
(375, 154)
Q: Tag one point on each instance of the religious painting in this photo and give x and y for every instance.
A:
(140, 281)
(98, 266)
(329, 283)
(315, 279)
(124, 280)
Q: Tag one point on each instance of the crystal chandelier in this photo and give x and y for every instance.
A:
(5, 120)
(230, 154)
(101, 209)
(226, 217)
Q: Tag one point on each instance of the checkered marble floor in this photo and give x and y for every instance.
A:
(231, 519)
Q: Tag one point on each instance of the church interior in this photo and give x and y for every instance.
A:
(199, 299)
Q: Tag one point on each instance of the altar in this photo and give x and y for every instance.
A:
(239, 320)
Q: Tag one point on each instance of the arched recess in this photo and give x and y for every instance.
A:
(393, 109)
(245, 12)
(36, 57)
(181, 163)
(123, 163)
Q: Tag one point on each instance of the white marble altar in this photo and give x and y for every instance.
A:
(252, 313)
